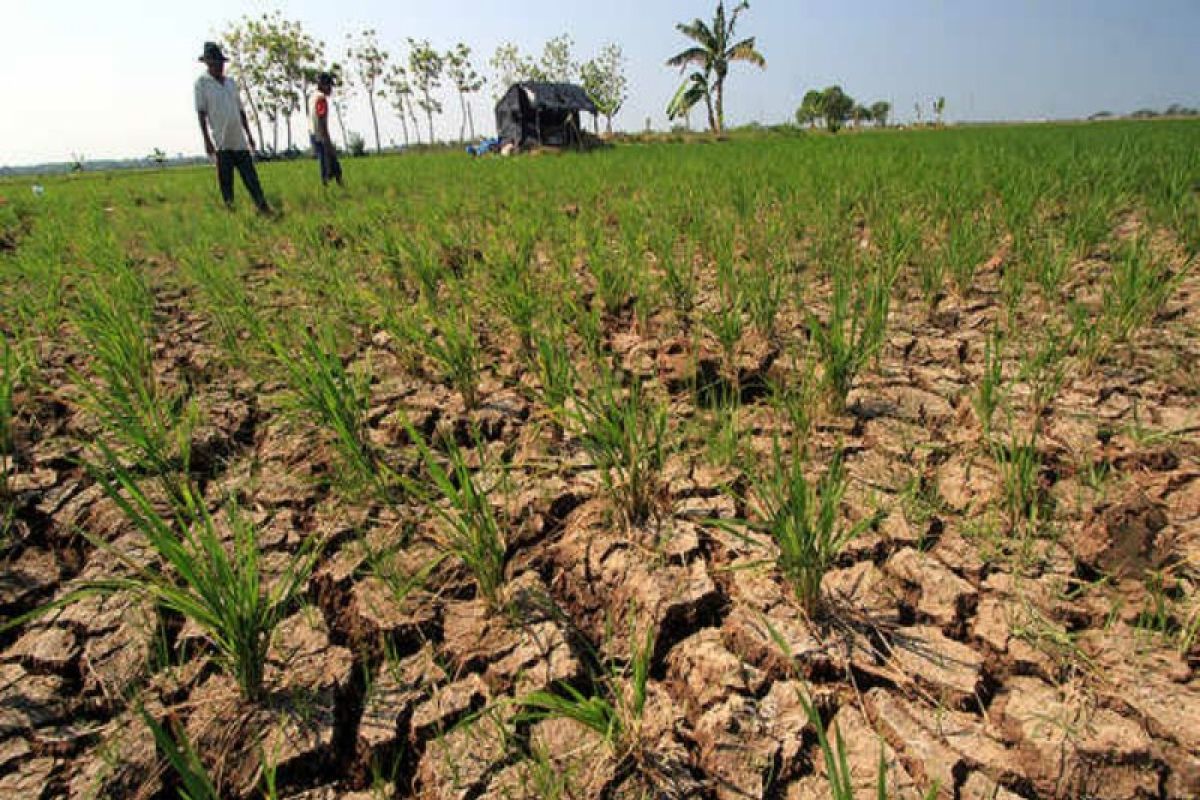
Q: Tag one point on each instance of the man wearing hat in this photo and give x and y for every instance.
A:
(219, 107)
(318, 124)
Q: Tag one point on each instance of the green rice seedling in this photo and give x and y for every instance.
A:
(473, 534)
(764, 297)
(727, 325)
(989, 392)
(1020, 466)
(457, 351)
(10, 369)
(424, 264)
(838, 773)
(151, 428)
(615, 711)
(625, 433)
(555, 368)
(594, 712)
(324, 389)
(514, 293)
(615, 280)
(219, 589)
(679, 275)
(801, 518)
(854, 332)
(965, 250)
(1137, 287)
(195, 782)
(228, 303)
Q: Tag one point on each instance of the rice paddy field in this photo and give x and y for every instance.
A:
(779, 467)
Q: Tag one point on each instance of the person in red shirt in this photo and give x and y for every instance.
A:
(322, 142)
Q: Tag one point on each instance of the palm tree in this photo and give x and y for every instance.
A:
(691, 92)
(713, 53)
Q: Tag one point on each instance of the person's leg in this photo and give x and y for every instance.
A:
(335, 166)
(225, 159)
(245, 166)
(319, 151)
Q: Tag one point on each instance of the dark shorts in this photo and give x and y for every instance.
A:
(327, 160)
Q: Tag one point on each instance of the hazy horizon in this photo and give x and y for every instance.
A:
(118, 83)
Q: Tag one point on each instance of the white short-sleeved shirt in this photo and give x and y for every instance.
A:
(221, 102)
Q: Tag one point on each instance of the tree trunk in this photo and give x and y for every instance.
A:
(720, 87)
(712, 119)
(275, 134)
(471, 121)
(429, 114)
(403, 124)
(254, 113)
(288, 120)
(412, 115)
(608, 123)
(337, 107)
(374, 117)
(462, 127)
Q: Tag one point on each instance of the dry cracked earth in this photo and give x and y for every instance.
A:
(993, 664)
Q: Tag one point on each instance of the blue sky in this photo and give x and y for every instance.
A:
(114, 78)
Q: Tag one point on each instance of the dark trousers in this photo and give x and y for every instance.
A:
(227, 161)
(327, 160)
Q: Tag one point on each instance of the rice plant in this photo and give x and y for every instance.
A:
(457, 351)
(1020, 467)
(150, 427)
(615, 708)
(472, 532)
(838, 773)
(555, 369)
(802, 519)
(323, 388)
(625, 433)
(195, 782)
(221, 590)
(10, 375)
(854, 330)
(1137, 287)
(988, 393)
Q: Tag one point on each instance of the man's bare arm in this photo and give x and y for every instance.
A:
(209, 149)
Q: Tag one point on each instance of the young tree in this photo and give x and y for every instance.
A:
(466, 81)
(558, 61)
(370, 63)
(343, 95)
(604, 81)
(714, 50)
(939, 106)
(425, 67)
(400, 89)
(509, 66)
(880, 111)
(241, 47)
(286, 57)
